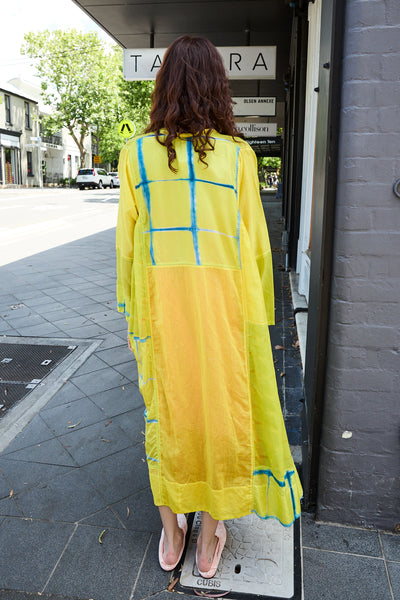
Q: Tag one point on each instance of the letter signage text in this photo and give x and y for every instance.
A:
(241, 62)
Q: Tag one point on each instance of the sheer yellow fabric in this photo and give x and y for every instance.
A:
(195, 283)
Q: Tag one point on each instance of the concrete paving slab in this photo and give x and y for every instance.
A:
(50, 452)
(35, 545)
(110, 340)
(391, 546)
(22, 475)
(102, 571)
(335, 576)
(68, 498)
(120, 475)
(5, 488)
(129, 370)
(35, 432)
(4, 325)
(339, 539)
(68, 393)
(91, 365)
(394, 578)
(67, 323)
(115, 325)
(58, 315)
(293, 429)
(138, 513)
(105, 379)
(293, 400)
(132, 424)
(25, 321)
(258, 558)
(87, 331)
(103, 518)
(102, 295)
(65, 419)
(119, 400)
(9, 332)
(94, 442)
(152, 578)
(9, 508)
(117, 356)
(85, 307)
(44, 329)
(16, 595)
(165, 595)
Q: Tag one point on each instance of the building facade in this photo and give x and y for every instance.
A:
(59, 155)
(20, 161)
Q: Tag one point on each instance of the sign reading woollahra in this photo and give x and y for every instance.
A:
(253, 106)
(257, 129)
(241, 62)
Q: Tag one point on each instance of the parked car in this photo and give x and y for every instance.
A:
(115, 178)
(93, 178)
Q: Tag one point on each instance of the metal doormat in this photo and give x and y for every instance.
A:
(32, 370)
(260, 558)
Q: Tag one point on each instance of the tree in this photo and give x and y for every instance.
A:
(81, 79)
(132, 101)
(74, 71)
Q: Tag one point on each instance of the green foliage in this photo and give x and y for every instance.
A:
(132, 101)
(272, 163)
(81, 79)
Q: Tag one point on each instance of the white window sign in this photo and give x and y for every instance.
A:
(10, 141)
(257, 129)
(241, 62)
(254, 106)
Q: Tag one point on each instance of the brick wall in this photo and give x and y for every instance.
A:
(360, 469)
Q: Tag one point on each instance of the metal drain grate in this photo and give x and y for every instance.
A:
(32, 371)
(260, 558)
(24, 366)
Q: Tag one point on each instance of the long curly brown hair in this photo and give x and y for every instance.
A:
(191, 95)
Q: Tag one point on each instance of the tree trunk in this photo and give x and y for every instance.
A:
(80, 144)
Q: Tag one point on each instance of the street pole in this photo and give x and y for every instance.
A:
(39, 151)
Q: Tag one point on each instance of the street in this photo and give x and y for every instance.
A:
(34, 220)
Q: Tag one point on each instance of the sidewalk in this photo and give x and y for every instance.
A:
(63, 489)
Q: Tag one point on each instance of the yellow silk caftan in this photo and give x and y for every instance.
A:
(195, 283)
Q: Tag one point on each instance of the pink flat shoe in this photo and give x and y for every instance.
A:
(220, 532)
(182, 524)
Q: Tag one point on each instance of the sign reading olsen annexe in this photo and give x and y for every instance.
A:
(241, 62)
(254, 106)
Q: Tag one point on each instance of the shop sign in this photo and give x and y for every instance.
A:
(53, 146)
(96, 159)
(10, 141)
(265, 141)
(257, 129)
(254, 106)
(241, 62)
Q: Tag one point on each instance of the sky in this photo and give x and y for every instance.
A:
(36, 15)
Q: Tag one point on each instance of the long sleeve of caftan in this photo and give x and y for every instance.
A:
(127, 217)
(252, 214)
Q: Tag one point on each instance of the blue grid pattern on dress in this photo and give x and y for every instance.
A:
(145, 184)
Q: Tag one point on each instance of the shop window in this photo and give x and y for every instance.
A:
(8, 108)
(27, 116)
(29, 164)
(10, 165)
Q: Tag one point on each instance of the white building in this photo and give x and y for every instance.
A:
(19, 159)
(60, 155)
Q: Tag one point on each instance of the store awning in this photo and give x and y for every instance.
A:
(147, 23)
